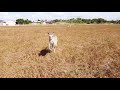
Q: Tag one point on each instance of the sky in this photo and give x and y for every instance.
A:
(58, 15)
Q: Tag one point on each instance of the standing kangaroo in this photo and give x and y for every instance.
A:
(52, 41)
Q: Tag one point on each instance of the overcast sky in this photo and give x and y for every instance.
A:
(58, 15)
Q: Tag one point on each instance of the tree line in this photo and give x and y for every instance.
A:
(88, 21)
(74, 20)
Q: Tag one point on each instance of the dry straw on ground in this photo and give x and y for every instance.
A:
(83, 51)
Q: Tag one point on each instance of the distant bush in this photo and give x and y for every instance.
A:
(22, 21)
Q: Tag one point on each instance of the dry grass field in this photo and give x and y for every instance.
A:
(84, 51)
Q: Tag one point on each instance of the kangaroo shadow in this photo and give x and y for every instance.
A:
(44, 52)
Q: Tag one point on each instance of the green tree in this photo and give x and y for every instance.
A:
(27, 21)
(22, 21)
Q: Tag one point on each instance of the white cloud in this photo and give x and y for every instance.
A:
(3, 13)
(8, 16)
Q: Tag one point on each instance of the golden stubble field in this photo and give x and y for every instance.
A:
(84, 51)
